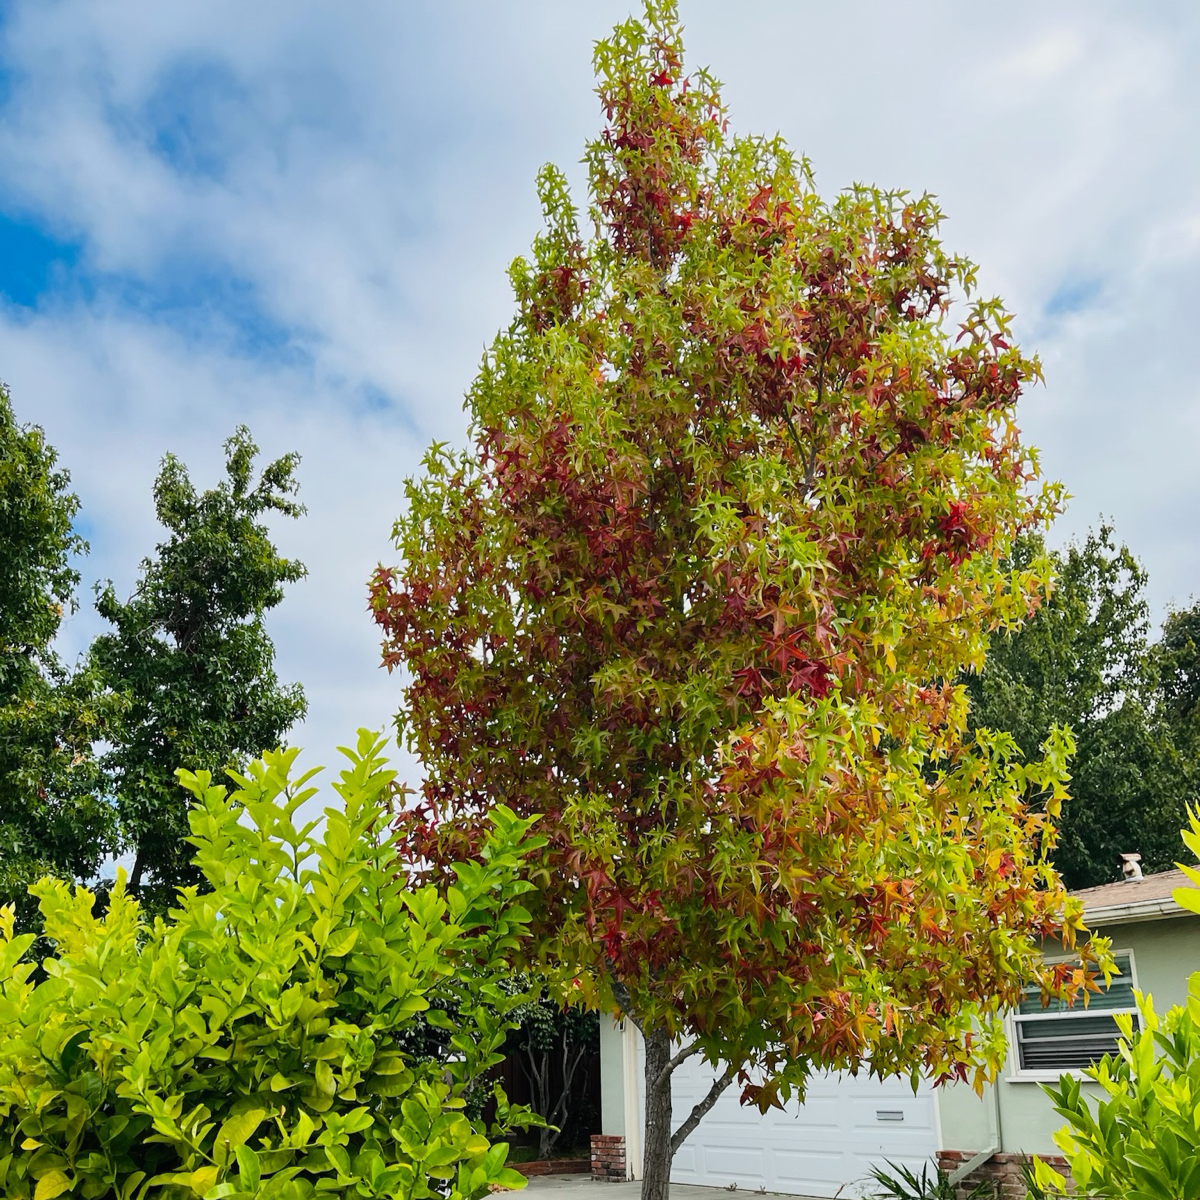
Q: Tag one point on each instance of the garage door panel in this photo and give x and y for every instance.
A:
(808, 1170)
(735, 1161)
(796, 1130)
(819, 1113)
(825, 1145)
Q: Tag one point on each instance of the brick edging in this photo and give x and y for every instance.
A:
(553, 1166)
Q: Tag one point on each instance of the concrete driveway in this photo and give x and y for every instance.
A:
(582, 1187)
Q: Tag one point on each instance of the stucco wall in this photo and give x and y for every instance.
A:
(612, 1078)
(620, 1111)
(1165, 952)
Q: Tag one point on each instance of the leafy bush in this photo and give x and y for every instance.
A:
(1142, 1142)
(252, 1044)
(903, 1183)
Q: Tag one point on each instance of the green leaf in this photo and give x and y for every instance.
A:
(508, 1178)
(235, 1131)
(52, 1184)
(201, 1181)
(340, 1159)
(249, 1168)
(341, 943)
(324, 1078)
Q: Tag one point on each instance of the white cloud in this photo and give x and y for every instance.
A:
(364, 177)
(1045, 57)
(114, 395)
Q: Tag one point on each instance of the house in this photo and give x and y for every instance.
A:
(846, 1125)
(1157, 946)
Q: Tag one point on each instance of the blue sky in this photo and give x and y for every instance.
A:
(300, 218)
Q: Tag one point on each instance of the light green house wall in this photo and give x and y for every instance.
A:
(1016, 1116)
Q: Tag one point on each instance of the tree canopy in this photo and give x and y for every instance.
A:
(737, 512)
(190, 654)
(53, 817)
(1177, 661)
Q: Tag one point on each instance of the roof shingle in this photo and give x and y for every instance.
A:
(1150, 887)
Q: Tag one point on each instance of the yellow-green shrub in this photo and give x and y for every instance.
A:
(253, 1044)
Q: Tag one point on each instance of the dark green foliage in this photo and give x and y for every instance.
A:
(185, 677)
(190, 654)
(1085, 659)
(37, 580)
(51, 819)
(251, 1046)
(552, 1044)
(54, 816)
(1178, 660)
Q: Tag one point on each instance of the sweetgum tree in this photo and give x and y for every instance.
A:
(734, 518)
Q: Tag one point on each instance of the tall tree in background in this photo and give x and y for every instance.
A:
(53, 819)
(1177, 661)
(735, 516)
(190, 654)
(1085, 660)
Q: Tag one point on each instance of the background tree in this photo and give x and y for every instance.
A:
(734, 518)
(1085, 660)
(552, 1044)
(53, 819)
(1177, 661)
(190, 654)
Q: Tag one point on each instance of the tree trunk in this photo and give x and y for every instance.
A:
(537, 1071)
(659, 1143)
(135, 876)
(656, 1148)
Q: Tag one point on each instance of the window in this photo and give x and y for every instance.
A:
(1058, 1038)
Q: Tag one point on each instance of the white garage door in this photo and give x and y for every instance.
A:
(825, 1145)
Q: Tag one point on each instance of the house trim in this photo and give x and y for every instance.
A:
(1134, 911)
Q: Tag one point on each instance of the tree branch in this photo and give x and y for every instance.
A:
(714, 1092)
(810, 465)
(664, 1076)
(791, 428)
(625, 1002)
(135, 876)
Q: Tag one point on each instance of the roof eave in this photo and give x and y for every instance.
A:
(1161, 909)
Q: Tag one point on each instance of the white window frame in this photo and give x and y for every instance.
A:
(1018, 1074)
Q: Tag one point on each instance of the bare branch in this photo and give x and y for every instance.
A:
(664, 1076)
(714, 1092)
